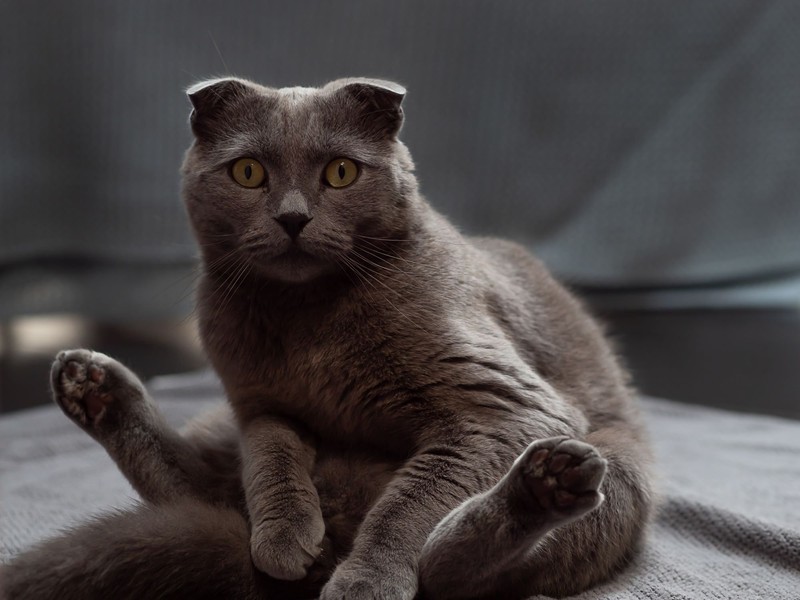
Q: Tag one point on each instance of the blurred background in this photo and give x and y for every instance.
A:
(647, 152)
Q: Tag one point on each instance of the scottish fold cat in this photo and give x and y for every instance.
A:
(411, 412)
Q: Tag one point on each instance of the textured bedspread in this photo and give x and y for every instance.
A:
(728, 527)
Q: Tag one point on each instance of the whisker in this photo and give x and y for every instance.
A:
(406, 240)
(220, 235)
(386, 260)
(375, 248)
(228, 276)
(189, 279)
(381, 239)
(221, 260)
(345, 270)
(222, 60)
(389, 269)
(367, 285)
(231, 287)
(364, 271)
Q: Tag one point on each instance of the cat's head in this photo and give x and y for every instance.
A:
(288, 180)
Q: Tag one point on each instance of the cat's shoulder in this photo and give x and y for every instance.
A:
(509, 256)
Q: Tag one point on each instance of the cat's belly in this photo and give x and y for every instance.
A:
(348, 485)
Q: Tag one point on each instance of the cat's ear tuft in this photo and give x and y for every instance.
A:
(379, 102)
(210, 99)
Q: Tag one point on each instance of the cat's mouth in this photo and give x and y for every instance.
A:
(262, 253)
(293, 264)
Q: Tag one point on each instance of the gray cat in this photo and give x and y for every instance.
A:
(412, 413)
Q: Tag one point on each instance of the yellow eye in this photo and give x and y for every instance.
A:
(341, 172)
(248, 172)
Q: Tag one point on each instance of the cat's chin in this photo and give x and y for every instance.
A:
(294, 266)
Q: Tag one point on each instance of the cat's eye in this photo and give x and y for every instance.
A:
(341, 172)
(248, 172)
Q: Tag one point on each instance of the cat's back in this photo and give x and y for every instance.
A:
(551, 328)
(521, 294)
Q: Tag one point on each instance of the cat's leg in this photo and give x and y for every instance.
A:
(282, 501)
(545, 527)
(110, 403)
(455, 462)
(188, 549)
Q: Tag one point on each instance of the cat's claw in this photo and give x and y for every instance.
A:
(562, 477)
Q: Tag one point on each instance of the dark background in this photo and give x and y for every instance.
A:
(646, 151)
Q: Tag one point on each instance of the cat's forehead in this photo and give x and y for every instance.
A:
(294, 125)
(296, 107)
(295, 113)
(297, 94)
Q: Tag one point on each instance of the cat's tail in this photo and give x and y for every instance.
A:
(184, 550)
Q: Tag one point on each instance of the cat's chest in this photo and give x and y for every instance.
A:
(343, 389)
(330, 376)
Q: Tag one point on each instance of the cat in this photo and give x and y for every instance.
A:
(411, 412)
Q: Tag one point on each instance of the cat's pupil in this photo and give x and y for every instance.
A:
(341, 170)
(248, 171)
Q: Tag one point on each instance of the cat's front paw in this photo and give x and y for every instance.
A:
(562, 477)
(286, 548)
(93, 389)
(353, 581)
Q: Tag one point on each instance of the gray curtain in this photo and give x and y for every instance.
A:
(647, 148)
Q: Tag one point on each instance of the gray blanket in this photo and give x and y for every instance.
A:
(728, 527)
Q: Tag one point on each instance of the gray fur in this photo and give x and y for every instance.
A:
(412, 411)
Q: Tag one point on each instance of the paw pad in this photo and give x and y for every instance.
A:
(78, 379)
(563, 476)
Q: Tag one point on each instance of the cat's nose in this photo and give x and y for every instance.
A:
(293, 222)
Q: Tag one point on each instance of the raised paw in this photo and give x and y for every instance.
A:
(562, 477)
(92, 388)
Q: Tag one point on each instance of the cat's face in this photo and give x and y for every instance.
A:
(288, 181)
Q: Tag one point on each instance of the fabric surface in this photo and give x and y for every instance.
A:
(628, 143)
(728, 527)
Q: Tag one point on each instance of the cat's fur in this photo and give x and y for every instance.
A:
(411, 411)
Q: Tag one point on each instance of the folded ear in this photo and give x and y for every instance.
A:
(378, 102)
(211, 99)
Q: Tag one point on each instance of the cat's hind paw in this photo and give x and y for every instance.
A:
(91, 387)
(562, 477)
